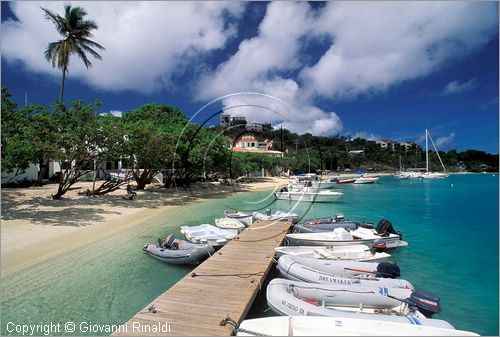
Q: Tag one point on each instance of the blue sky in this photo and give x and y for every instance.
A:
(369, 69)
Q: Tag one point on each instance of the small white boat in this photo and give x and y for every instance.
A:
(307, 193)
(295, 268)
(352, 252)
(242, 217)
(433, 175)
(208, 234)
(278, 216)
(228, 223)
(365, 180)
(293, 298)
(341, 237)
(339, 326)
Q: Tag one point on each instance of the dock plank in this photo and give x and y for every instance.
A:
(196, 305)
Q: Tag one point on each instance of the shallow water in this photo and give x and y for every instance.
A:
(451, 226)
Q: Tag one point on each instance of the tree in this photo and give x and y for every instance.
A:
(76, 33)
(77, 143)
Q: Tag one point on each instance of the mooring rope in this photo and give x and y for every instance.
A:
(236, 327)
(241, 275)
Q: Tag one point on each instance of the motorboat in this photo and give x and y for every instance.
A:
(346, 181)
(383, 237)
(307, 193)
(340, 326)
(209, 234)
(293, 268)
(291, 298)
(228, 223)
(277, 216)
(352, 252)
(176, 251)
(365, 180)
(244, 218)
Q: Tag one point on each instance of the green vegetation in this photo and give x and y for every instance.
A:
(76, 33)
(157, 138)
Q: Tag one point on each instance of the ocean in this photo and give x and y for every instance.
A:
(451, 226)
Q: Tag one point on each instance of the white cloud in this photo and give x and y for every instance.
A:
(146, 42)
(444, 141)
(380, 44)
(455, 87)
(366, 135)
(257, 66)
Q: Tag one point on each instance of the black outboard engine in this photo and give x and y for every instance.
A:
(385, 226)
(426, 302)
(387, 270)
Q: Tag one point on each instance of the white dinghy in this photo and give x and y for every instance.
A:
(296, 268)
(351, 252)
(208, 234)
(228, 223)
(278, 216)
(242, 217)
(338, 326)
(292, 298)
(365, 180)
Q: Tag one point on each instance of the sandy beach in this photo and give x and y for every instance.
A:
(35, 227)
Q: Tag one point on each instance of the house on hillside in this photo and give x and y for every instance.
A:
(248, 143)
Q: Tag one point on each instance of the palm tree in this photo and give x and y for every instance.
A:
(76, 39)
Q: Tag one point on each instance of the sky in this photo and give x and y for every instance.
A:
(376, 70)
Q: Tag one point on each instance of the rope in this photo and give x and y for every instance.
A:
(236, 328)
(241, 275)
(263, 239)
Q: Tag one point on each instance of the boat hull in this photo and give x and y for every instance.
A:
(352, 252)
(308, 197)
(191, 254)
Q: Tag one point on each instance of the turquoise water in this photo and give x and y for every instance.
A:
(451, 226)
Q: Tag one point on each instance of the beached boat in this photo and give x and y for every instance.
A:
(228, 223)
(208, 234)
(291, 298)
(277, 216)
(352, 252)
(242, 217)
(307, 193)
(176, 251)
(339, 326)
(365, 180)
(291, 267)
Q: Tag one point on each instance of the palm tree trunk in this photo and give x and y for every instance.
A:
(62, 85)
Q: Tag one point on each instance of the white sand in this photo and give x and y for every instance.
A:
(34, 227)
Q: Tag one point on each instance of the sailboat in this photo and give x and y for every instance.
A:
(429, 174)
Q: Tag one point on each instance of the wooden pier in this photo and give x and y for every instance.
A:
(226, 284)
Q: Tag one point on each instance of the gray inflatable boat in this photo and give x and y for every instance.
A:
(176, 251)
(292, 298)
(321, 271)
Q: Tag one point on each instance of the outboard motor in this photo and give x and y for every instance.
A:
(339, 217)
(426, 302)
(385, 226)
(388, 270)
(268, 212)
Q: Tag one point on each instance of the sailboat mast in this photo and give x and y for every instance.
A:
(426, 152)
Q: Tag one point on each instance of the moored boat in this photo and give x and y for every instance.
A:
(176, 251)
(346, 181)
(293, 268)
(307, 193)
(277, 216)
(339, 326)
(242, 217)
(292, 298)
(366, 180)
(228, 223)
(352, 252)
(208, 234)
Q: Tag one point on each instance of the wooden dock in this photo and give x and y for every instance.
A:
(226, 284)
